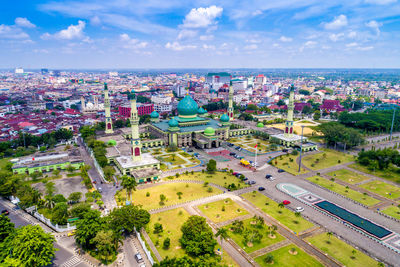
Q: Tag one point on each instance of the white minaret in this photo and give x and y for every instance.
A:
(107, 109)
(230, 104)
(135, 140)
(289, 120)
(83, 105)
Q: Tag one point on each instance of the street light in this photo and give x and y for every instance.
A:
(301, 145)
(391, 128)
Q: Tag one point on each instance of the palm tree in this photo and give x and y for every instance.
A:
(49, 202)
(297, 214)
(281, 205)
(272, 229)
(129, 184)
(269, 259)
(222, 233)
(329, 234)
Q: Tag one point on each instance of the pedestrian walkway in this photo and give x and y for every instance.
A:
(270, 248)
(73, 261)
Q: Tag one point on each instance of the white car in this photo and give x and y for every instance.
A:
(299, 209)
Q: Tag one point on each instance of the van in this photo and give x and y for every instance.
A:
(138, 257)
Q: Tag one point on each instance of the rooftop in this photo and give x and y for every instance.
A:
(127, 162)
(163, 125)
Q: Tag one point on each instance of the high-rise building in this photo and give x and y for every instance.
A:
(19, 70)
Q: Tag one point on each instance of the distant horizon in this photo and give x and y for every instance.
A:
(191, 68)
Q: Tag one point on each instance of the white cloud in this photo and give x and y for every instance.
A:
(202, 17)
(354, 44)
(131, 43)
(380, 2)
(208, 47)
(336, 37)
(11, 32)
(308, 44)
(206, 37)
(373, 24)
(24, 22)
(337, 23)
(365, 48)
(253, 41)
(95, 21)
(183, 34)
(285, 39)
(250, 47)
(70, 33)
(352, 34)
(256, 13)
(178, 47)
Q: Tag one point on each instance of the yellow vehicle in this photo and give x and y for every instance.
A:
(72, 233)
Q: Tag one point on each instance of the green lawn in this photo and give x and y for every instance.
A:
(392, 173)
(341, 251)
(288, 163)
(265, 241)
(3, 162)
(348, 176)
(327, 158)
(283, 258)
(190, 192)
(342, 190)
(175, 161)
(284, 215)
(214, 210)
(382, 189)
(220, 178)
(392, 211)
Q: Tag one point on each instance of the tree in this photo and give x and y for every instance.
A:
(166, 243)
(269, 259)
(30, 245)
(79, 210)
(237, 226)
(329, 234)
(75, 197)
(179, 194)
(88, 227)
(201, 261)
(197, 237)
(281, 205)
(129, 184)
(108, 172)
(60, 213)
(317, 115)
(50, 188)
(158, 228)
(222, 233)
(6, 227)
(70, 168)
(162, 199)
(59, 198)
(49, 202)
(104, 242)
(127, 218)
(280, 102)
(211, 166)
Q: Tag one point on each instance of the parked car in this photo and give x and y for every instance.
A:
(286, 202)
(299, 209)
(138, 257)
(5, 212)
(100, 190)
(71, 233)
(284, 150)
(280, 170)
(268, 176)
(232, 154)
(245, 179)
(190, 150)
(234, 173)
(261, 188)
(252, 182)
(237, 148)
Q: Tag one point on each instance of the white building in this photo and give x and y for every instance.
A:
(161, 99)
(180, 90)
(160, 108)
(19, 70)
(216, 80)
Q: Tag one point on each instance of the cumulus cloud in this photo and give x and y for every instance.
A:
(285, 39)
(95, 21)
(202, 17)
(24, 22)
(131, 43)
(374, 25)
(251, 47)
(11, 32)
(208, 47)
(354, 44)
(206, 37)
(308, 44)
(336, 37)
(70, 33)
(352, 34)
(178, 47)
(337, 23)
(185, 33)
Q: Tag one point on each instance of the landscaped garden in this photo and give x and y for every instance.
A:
(288, 163)
(289, 256)
(292, 220)
(167, 194)
(382, 189)
(393, 211)
(362, 198)
(348, 176)
(392, 173)
(224, 179)
(222, 210)
(341, 251)
(327, 158)
(253, 234)
(249, 142)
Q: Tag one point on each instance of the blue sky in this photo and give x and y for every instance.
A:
(200, 34)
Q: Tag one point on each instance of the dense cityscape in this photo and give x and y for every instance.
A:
(257, 133)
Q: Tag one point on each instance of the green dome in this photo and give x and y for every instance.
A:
(260, 125)
(154, 115)
(224, 118)
(187, 106)
(112, 142)
(173, 123)
(209, 131)
(201, 111)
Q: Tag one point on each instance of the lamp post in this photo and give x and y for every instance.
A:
(391, 128)
(301, 145)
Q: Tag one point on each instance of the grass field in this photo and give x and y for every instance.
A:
(190, 192)
(3, 162)
(342, 190)
(220, 178)
(283, 258)
(393, 211)
(297, 127)
(172, 221)
(214, 211)
(284, 215)
(288, 163)
(341, 251)
(392, 173)
(265, 241)
(175, 161)
(382, 189)
(327, 158)
(348, 176)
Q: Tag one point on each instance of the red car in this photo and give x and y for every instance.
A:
(286, 202)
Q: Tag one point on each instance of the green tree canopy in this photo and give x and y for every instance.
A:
(128, 217)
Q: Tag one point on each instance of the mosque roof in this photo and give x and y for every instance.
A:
(154, 114)
(260, 125)
(201, 111)
(224, 118)
(173, 123)
(187, 106)
(209, 131)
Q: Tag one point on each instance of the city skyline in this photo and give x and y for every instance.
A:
(200, 34)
